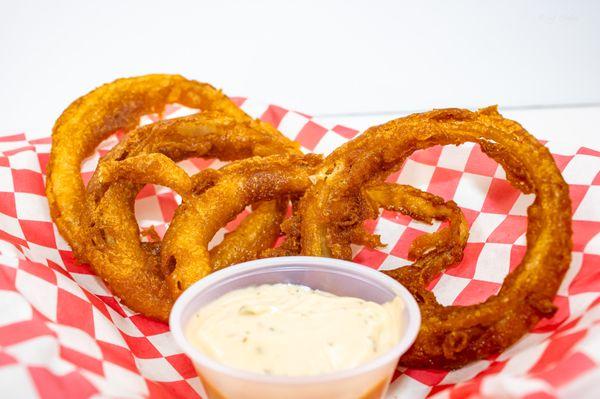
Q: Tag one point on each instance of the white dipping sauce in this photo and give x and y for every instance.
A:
(293, 330)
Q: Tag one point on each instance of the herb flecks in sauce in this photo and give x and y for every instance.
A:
(286, 329)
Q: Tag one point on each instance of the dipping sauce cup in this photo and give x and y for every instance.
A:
(370, 380)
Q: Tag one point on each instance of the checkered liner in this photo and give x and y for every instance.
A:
(62, 334)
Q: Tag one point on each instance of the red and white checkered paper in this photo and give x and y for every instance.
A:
(63, 335)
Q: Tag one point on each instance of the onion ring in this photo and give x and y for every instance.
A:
(451, 336)
(197, 135)
(407, 200)
(184, 254)
(95, 116)
(424, 207)
(103, 232)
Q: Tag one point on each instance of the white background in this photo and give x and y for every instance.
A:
(349, 61)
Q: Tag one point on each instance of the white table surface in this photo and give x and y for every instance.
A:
(357, 63)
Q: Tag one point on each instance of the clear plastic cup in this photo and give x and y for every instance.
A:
(367, 381)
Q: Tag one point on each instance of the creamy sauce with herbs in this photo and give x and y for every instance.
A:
(287, 329)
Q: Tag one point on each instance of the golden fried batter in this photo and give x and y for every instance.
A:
(450, 336)
(101, 226)
(95, 116)
(184, 253)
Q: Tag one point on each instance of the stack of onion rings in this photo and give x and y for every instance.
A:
(331, 198)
